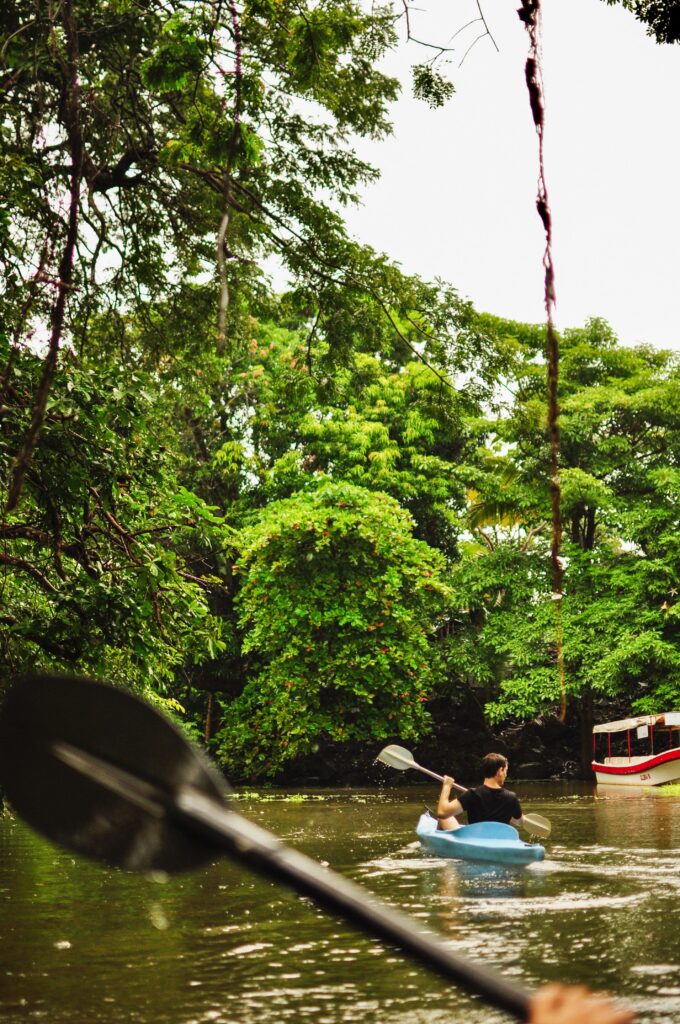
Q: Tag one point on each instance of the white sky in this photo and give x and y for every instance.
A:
(456, 197)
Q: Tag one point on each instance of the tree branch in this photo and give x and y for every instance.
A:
(27, 567)
(73, 127)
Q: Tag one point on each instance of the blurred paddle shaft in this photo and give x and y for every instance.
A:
(102, 773)
(261, 851)
(212, 820)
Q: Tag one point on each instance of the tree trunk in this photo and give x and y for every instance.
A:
(586, 715)
(208, 728)
(75, 139)
(590, 529)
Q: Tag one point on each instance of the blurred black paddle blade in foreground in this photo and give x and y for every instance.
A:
(50, 724)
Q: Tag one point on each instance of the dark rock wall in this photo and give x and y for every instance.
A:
(543, 748)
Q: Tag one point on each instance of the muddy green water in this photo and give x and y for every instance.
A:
(83, 945)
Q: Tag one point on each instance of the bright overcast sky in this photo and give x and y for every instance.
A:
(456, 196)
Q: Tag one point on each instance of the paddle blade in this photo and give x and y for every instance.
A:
(537, 825)
(54, 728)
(397, 757)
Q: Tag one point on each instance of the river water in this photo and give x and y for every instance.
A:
(82, 944)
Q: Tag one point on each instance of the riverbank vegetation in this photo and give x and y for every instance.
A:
(307, 518)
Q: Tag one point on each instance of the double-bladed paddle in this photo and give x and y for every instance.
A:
(401, 759)
(104, 774)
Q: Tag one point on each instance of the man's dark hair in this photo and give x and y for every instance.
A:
(491, 763)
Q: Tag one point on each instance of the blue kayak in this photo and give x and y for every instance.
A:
(489, 841)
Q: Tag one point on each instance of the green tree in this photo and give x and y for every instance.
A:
(292, 414)
(620, 458)
(106, 568)
(661, 16)
(337, 607)
(149, 147)
(154, 156)
(294, 419)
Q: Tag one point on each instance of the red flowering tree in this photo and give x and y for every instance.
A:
(338, 605)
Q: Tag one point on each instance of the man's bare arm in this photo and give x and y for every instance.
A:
(446, 807)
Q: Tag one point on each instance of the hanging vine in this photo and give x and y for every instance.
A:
(226, 183)
(530, 14)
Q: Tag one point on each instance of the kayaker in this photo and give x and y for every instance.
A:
(488, 802)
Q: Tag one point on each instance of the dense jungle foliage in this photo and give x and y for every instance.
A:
(301, 519)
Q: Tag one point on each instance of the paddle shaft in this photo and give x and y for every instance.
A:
(262, 852)
(211, 820)
(426, 771)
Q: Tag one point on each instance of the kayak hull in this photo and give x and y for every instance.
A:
(487, 841)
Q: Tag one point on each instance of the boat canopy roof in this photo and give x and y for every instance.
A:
(671, 719)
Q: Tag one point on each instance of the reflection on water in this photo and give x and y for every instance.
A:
(649, 814)
(84, 945)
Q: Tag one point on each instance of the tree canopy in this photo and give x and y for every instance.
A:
(298, 514)
(336, 607)
(662, 17)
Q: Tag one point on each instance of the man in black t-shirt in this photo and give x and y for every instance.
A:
(488, 802)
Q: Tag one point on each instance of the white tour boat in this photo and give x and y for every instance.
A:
(660, 764)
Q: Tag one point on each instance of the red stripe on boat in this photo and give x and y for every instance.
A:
(635, 769)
